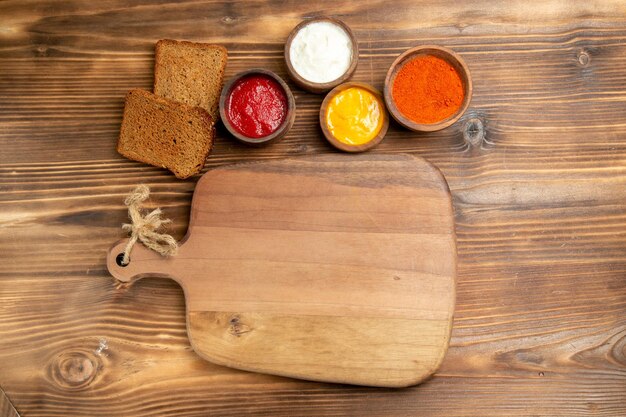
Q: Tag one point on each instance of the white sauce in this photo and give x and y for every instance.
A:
(321, 52)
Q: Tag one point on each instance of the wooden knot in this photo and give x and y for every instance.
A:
(74, 370)
(618, 352)
(583, 58)
(237, 328)
(41, 50)
(474, 131)
(300, 148)
(228, 20)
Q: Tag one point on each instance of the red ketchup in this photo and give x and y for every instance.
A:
(256, 106)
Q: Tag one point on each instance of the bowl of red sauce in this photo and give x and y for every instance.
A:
(257, 107)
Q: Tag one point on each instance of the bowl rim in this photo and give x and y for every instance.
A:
(278, 133)
(314, 87)
(343, 146)
(453, 59)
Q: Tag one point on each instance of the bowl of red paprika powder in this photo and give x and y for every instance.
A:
(428, 88)
(257, 107)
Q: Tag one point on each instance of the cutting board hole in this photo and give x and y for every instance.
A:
(120, 260)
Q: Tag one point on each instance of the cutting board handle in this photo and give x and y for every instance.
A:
(143, 263)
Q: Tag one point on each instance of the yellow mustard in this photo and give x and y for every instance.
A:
(354, 116)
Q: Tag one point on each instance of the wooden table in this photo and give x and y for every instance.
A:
(537, 169)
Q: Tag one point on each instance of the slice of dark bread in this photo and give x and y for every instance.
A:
(190, 72)
(165, 133)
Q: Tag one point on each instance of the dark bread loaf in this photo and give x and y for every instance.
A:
(165, 133)
(190, 72)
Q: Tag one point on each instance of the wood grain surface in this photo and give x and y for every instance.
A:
(334, 268)
(6, 407)
(536, 167)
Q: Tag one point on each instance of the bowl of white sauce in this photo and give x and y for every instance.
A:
(321, 53)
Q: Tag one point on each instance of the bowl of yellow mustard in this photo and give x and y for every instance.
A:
(353, 117)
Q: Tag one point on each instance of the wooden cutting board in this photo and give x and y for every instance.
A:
(338, 268)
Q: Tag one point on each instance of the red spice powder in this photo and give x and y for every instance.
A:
(427, 89)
